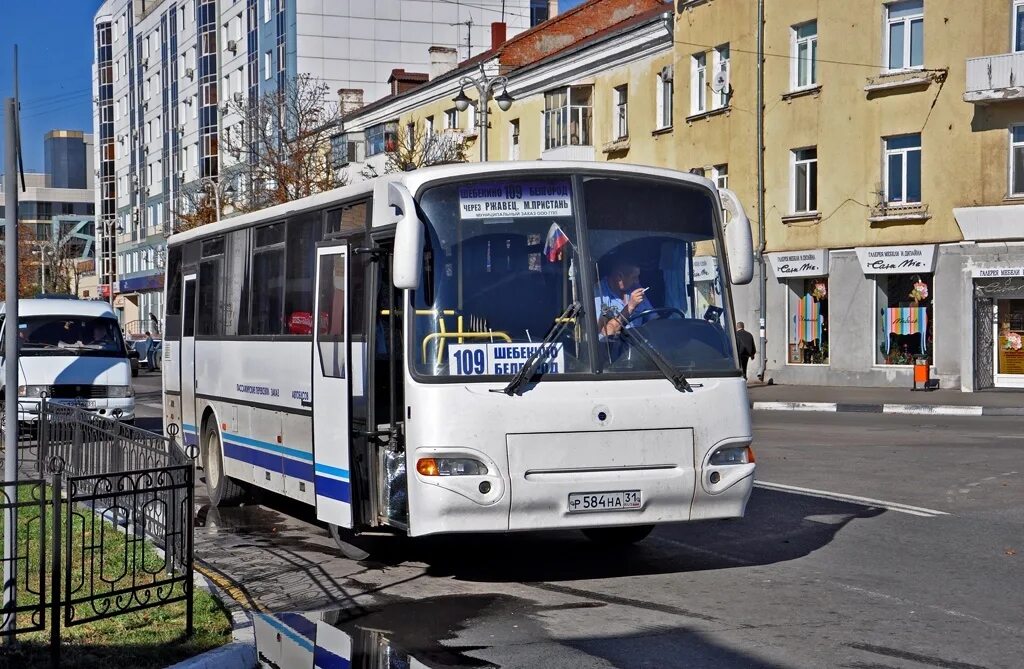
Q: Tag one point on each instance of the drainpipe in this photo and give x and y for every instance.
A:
(761, 260)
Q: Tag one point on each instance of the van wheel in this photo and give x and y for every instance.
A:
(222, 490)
(363, 546)
(618, 536)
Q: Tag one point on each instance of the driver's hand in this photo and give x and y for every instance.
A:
(635, 299)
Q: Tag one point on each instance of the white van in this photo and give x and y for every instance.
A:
(73, 351)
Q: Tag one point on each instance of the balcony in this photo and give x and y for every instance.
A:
(995, 78)
(899, 212)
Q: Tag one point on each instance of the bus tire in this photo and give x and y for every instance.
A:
(222, 490)
(618, 536)
(362, 546)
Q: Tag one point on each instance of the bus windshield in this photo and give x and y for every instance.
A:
(70, 335)
(508, 258)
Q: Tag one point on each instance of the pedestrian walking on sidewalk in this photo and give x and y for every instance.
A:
(745, 347)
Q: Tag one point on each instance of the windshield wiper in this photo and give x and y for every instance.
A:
(526, 372)
(652, 354)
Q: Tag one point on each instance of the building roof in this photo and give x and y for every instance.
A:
(530, 47)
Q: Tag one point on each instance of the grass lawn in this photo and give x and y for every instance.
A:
(149, 638)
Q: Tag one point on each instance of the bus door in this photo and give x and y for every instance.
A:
(187, 363)
(331, 372)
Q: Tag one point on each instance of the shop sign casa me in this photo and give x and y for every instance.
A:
(897, 259)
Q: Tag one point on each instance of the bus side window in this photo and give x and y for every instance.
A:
(331, 307)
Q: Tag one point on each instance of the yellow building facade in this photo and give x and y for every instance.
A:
(893, 178)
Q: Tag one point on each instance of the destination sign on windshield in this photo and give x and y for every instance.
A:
(515, 199)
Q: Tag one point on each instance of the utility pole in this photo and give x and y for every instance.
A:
(11, 363)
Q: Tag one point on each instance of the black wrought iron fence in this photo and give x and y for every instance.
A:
(105, 528)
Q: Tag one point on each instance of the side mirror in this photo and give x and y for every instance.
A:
(407, 265)
(739, 243)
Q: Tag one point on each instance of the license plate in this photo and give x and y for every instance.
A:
(84, 404)
(620, 500)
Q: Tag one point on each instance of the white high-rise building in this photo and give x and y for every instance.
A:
(165, 68)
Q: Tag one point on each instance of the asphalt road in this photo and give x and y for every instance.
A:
(902, 548)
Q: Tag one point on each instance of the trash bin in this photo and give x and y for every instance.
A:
(922, 370)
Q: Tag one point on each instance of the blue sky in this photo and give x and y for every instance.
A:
(54, 39)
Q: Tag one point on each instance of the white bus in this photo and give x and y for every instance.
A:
(471, 348)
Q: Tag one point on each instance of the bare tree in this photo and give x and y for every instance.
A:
(28, 269)
(279, 147)
(416, 148)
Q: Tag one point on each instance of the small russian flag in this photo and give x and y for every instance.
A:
(555, 242)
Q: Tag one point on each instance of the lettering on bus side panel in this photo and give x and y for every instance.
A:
(502, 359)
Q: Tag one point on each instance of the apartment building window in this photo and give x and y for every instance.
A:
(513, 139)
(903, 169)
(905, 34)
(380, 138)
(805, 180)
(268, 64)
(664, 98)
(1018, 25)
(720, 175)
(451, 118)
(268, 10)
(568, 117)
(720, 85)
(621, 112)
(428, 124)
(698, 83)
(805, 55)
(1017, 161)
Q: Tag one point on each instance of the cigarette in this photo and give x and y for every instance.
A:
(646, 289)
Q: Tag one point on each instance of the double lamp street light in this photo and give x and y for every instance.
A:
(486, 87)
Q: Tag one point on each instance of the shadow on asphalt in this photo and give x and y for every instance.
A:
(778, 527)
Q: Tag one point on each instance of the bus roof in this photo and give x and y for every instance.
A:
(417, 178)
(45, 307)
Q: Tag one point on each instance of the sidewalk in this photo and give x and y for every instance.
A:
(885, 400)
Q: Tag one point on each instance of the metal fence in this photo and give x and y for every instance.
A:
(105, 527)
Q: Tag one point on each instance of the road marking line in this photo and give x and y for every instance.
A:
(705, 551)
(864, 501)
(931, 410)
(794, 406)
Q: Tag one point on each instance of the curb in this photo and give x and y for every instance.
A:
(240, 652)
(904, 409)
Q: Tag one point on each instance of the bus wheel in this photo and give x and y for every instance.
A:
(618, 536)
(362, 546)
(222, 490)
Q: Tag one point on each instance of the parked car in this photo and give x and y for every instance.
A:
(133, 357)
(143, 347)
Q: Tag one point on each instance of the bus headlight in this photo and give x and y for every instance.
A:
(450, 467)
(119, 392)
(733, 455)
(33, 391)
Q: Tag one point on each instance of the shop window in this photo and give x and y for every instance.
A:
(807, 322)
(1011, 337)
(905, 320)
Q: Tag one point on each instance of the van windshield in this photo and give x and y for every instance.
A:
(70, 335)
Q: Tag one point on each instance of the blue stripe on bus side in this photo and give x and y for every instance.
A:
(271, 461)
(333, 488)
(300, 624)
(332, 471)
(277, 448)
(325, 659)
(305, 644)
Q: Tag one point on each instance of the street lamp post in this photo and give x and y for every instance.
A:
(485, 87)
(46, 250)
(215, 186)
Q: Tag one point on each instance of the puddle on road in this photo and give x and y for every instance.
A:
(251, 518)
(398, 634)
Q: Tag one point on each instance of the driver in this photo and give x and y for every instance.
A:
(619, 297)
(100, 335)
